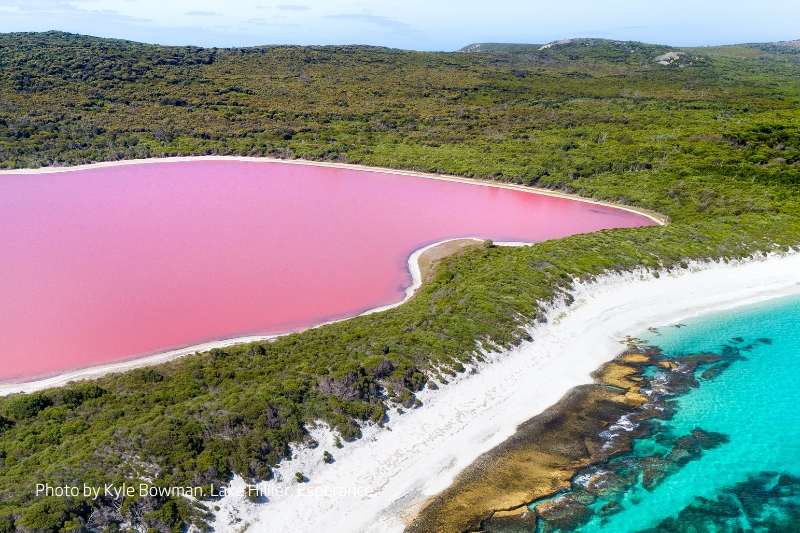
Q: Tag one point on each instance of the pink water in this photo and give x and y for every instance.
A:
(104, 264)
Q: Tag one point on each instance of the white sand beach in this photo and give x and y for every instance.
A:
(379, 482)
(94, 372)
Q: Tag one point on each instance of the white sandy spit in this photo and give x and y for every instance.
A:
(379, 482)
(94, 372)
(416, 274)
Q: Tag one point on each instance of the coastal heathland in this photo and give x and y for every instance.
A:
(711, 139)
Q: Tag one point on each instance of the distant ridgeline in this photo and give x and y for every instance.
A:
(500, 47)
(710, 137)
(782, 47)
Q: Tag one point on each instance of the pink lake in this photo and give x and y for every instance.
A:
(109, 263)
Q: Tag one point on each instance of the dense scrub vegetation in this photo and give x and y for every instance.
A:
(712, 141)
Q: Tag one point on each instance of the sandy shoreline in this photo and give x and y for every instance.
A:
(655, 217)
(94, 372)
(379, 482)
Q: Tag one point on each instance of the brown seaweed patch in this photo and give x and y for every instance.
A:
(655, 469)
(691, 447)
(521, 520)
(714, 371)
(564, 512)
(708, 440)
(610, 485)
(609, 509)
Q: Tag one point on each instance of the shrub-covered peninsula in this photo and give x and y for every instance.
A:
(708, 137)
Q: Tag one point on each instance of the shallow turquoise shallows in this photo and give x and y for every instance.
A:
(755, 402)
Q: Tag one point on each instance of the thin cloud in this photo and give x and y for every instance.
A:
(203, 13)
(273, 25)
(594, 33)
(44, 6)
(61, 9)
(118, 17)
(384, 22)
(293, 7)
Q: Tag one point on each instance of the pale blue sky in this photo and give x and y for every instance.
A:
(410, 24)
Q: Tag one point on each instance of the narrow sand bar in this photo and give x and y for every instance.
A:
(379, 482)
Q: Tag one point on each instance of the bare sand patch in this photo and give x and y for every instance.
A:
(432, 256)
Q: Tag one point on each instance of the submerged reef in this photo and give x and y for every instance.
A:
(576, 461)
(766, 501)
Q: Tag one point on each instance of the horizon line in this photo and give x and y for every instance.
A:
(459, 50)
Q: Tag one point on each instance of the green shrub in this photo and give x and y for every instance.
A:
(251, 493)
(77, 394)
(168, 517)
(6, 524)
(46, 515)
(26, 406)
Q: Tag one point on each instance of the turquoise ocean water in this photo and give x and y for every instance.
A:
(749, 480)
